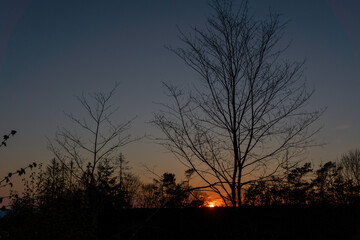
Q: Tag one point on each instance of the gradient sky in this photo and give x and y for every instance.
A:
(51, 51)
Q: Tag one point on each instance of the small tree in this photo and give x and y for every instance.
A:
(172, 195)
(245, 118)
(100, 138)
(297, 186)
(328, 185)
(165, 192)
(54, 181)
(148, 197)
(350, 163)
(95, 140)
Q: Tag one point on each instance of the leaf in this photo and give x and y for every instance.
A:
(13, 132)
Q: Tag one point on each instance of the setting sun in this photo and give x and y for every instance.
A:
(211, 205)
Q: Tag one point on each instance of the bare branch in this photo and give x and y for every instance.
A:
(248, 107)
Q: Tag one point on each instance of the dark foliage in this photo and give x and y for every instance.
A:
(327, 186)
(165, 192)
(6, 137)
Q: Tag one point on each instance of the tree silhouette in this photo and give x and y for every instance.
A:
(88, 150)
(165, 192)
(245, 117)
(350, 163)
(104, 136)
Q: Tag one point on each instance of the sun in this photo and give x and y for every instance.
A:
(211, 205)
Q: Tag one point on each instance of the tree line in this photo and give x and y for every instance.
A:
(115, 186)
(331, 184)
(54, 203)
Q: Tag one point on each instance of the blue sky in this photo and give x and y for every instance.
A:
(51, 51)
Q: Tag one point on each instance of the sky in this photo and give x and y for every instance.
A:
(53, 51)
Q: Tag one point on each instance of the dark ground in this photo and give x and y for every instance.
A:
(251, 223)
(296, 222)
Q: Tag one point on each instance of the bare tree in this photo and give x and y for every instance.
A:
(350, 163)
(96, 137)
(245, 117)
(95, 140)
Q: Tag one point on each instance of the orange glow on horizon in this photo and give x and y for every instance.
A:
(214, 201)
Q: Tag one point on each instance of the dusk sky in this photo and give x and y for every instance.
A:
(52, 51)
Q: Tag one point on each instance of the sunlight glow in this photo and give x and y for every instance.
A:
(211, 205)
